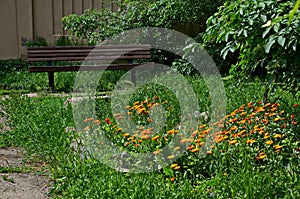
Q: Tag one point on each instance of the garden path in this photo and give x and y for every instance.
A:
(14, 182)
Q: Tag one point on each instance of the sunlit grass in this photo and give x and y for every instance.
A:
(254, 156)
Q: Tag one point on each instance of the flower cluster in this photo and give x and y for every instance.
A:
(262, 130)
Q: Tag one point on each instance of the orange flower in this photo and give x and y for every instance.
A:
(295, 105)
(177, 168)
(107, 120)
(294, 122)
(186, 140)
(190, 147)
(173, 166)
(250, 104)
(156, 152)
(88, 120)
(125, 134)
(242, 122)
(171, 156)
(200, 144)
(118, 130)
(277, 146)
(261, 156)
(277, 136)
(209, 152)
(86, 128)
(164, 102)
(269, 142)
(233, 128)
(233, 142)
(275, 105)
(202, 126)
(195, 150)
(233, 114)
(206, 131)
(155, 138)
(265, 121)
(195, 133)
(177, 148)
(260, 109)
(277, 119)
(272, 114)
(145, 137)
(96, 121)
(251, 141)
(219, 140)
(266, 136)
(171, 132)
(172, 179)
(268, 104)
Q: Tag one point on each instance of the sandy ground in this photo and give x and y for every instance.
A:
(18, 185)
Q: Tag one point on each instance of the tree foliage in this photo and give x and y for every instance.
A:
(96, 25)
(261, 32)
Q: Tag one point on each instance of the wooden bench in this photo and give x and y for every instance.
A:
(126, 57)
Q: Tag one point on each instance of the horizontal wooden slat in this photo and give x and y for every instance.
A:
(81, 53)
(65, 53)
(88, 58)
(88, 68)
(89, 47)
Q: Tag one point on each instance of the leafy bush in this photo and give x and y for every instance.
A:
(95, 26)
(260, 31)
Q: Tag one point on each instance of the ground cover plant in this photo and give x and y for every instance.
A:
(258, 145)
(255, 154)
(15, 78)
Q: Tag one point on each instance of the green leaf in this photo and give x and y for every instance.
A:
(269, 44)
(245, 33)
(281, 41)
(295, 46)
(266, 32)
(263, 18)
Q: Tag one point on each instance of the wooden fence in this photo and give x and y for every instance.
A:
(23, 20)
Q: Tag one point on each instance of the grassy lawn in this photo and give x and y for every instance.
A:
(255, 155)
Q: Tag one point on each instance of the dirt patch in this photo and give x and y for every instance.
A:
(20, 185)
(11, 157)
(3, 120)
(23, 186)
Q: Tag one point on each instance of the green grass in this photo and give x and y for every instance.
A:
(39, 125)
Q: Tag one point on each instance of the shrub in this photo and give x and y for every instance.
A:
(260, 31)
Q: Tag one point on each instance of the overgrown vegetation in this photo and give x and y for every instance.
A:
(267, 42)
(255, 153)
(95, 26)
(261, 147)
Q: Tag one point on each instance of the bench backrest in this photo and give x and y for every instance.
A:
(81, 53)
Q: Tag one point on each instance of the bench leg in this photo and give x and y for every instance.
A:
(132, 76)
(51, 80)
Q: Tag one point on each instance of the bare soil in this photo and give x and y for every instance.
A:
(18, 185)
